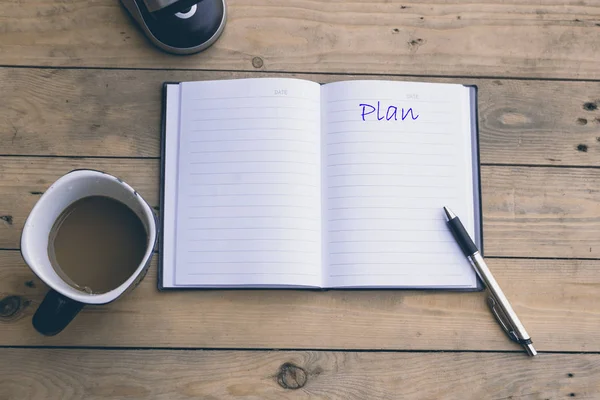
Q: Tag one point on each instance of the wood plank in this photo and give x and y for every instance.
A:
(528, 212)
(117, 113)
(541, 212)
(487, 38)
(546, 294)
(41, 374)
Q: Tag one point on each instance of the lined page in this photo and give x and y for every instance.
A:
(395, 153)
(248, 207)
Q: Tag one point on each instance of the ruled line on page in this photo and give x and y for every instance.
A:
(253, 140)
(390, 175)
(252, 194)
(385, 230)
(265, 228)
(378, 263)
(420, 121)
(293, 151)
(399, 197)
(248, 262)
(388, 252)
(253, 239)
(388, 142)
(251, 173)
(295, 108)
(389, 99)
(252, 206)
(255, 118)
(254, 183)
(204, 130)
(390, 163)
(254, 98)
(391, 241)
(392, 185)
(395, 132)
(253, 162)
(384, 219)
(375, 197)
(371, 274)
(253, 273)
(395, 153)
(253, 251)
(256, 217)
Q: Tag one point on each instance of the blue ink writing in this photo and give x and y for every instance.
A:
(394, 113)
(364, 106)
(379, 119)
(389, 114)
(410, 110)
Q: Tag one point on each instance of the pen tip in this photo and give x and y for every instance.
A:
(449, 214)
(530, 349)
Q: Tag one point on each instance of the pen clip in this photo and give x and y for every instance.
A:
(502, 320)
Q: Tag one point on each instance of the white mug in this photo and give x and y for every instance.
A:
(63, 301)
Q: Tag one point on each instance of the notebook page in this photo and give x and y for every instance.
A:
(248, 207)
(395, 154)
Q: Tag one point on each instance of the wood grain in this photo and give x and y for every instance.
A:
(117, 113)
(544, 293)
(73, 374)
(528, 212)
(541, 212)
(487, 38)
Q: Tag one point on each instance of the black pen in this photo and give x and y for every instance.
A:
(501, 308)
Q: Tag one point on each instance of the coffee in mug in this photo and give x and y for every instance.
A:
(96, 244)
(90, 238)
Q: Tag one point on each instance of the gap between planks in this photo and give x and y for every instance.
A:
(307, 72)
(78, 157)
(285, 350)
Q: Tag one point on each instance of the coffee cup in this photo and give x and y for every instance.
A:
(90, 238)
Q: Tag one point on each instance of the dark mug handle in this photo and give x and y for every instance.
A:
(55, 313)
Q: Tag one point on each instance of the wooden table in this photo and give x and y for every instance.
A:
(80, 87)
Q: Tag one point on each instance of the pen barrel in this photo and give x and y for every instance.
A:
(462, 237)
(488, 279)
(499, 304)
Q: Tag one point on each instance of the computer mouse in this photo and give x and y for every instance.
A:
(183, 27)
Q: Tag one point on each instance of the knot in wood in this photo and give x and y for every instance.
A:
(9, 306)
(257, 62)
(291, 376)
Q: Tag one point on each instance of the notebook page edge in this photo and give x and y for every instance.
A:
(476, 162)
(171, 136)
(471, 221)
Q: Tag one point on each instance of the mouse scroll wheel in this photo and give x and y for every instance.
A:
(187, 13)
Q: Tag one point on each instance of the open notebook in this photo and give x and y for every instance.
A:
(288, 183)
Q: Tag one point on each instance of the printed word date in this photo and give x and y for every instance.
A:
(389, 113)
